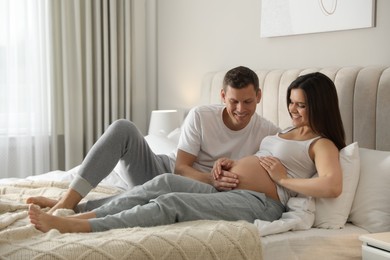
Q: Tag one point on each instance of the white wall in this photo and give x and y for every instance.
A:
(197, 36)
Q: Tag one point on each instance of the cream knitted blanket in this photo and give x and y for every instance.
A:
(189, 240)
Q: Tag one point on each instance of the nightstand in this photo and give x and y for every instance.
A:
(376, 246)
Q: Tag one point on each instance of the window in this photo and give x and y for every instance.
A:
(24, 86)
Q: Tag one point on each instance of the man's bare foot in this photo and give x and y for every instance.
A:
(42, 202)
(42, 221)
(69, 201)
(45, 222)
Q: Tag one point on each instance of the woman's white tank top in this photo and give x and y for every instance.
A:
(293, 154)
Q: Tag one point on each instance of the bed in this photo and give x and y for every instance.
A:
(322, 229)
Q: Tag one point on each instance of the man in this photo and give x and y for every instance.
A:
(232, 130)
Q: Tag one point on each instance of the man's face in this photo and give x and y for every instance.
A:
(240, 106)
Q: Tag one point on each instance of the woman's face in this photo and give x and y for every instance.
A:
(298, 108)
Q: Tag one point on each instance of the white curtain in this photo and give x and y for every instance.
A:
(25, 111)
(93, 72)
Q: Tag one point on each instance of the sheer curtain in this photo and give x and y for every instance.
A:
(67, 70)
(25, 111)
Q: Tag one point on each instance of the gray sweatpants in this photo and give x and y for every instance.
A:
(123, 142)
(171, 198)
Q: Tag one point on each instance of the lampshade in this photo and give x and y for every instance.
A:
(162, 122)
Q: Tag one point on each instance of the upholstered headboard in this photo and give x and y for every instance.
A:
(364, 96)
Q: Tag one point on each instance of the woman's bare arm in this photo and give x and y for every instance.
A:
(328, 184)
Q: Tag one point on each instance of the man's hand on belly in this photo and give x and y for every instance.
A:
(226, 181)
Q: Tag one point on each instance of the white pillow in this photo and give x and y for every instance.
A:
(174, 136)
(161, 144)
(333, 213)
(371, 207)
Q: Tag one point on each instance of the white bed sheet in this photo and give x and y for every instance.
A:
(113, 179)
(315, 243)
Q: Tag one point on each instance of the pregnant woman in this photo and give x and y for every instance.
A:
(283, 167)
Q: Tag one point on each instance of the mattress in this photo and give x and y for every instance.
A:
(189, 240)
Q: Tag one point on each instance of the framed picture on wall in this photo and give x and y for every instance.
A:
(291, 17)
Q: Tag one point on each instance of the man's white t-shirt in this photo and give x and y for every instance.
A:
(206, 136)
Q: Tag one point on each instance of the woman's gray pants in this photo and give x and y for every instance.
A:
(123, 142)
(171, 198)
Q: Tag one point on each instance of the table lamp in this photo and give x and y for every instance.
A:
(162, 122)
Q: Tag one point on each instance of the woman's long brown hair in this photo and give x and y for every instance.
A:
(323, 106)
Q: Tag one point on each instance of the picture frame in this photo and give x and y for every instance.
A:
(292, 17)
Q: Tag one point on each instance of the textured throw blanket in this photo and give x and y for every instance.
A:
(189, 240)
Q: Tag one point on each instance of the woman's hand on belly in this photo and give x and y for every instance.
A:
(254, 177)
(274, 167)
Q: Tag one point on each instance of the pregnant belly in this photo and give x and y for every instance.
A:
(252, 176)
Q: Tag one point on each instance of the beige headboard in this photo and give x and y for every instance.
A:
(364, 96)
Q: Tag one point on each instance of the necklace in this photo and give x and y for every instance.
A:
(325, 10)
